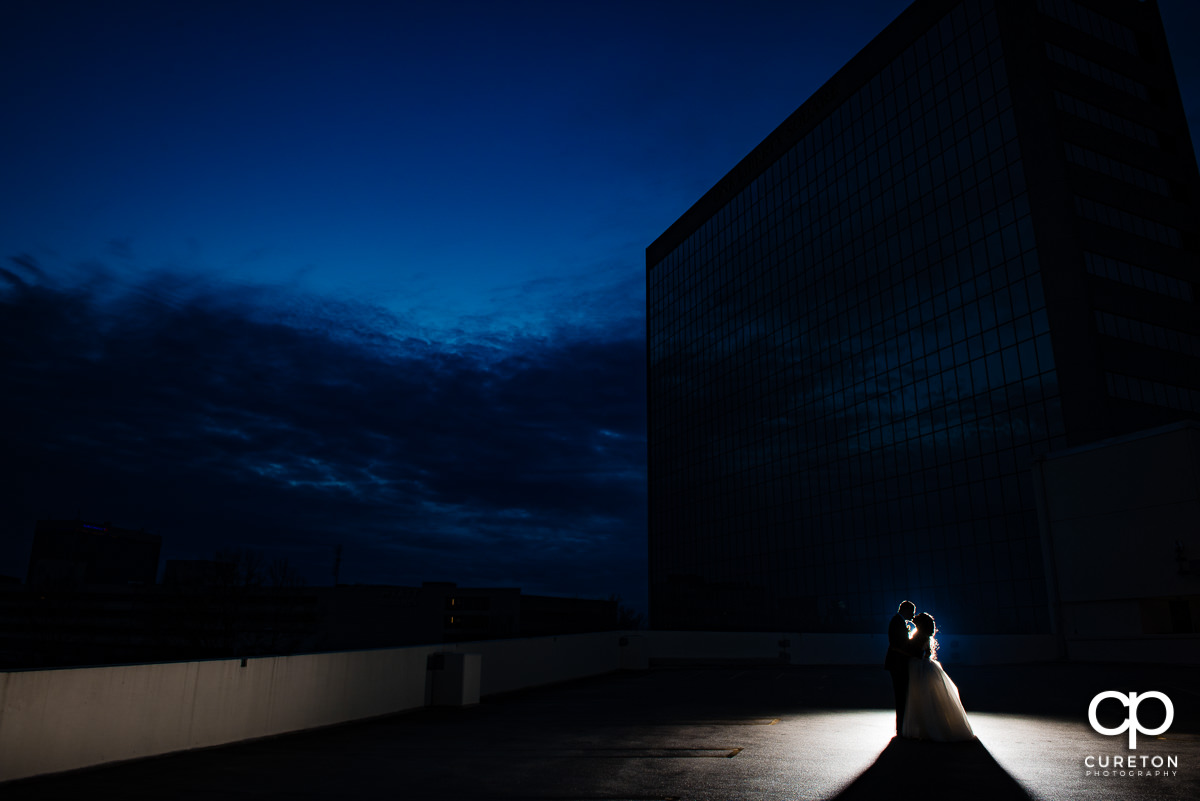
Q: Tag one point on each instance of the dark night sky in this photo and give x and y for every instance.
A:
(293, 275)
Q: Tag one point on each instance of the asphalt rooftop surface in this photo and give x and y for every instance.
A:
(701, 732)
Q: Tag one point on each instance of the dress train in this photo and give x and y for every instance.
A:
(934, 710)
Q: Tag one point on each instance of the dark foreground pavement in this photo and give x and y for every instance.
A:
(716, 732)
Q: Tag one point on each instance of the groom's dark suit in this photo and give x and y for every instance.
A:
(896, 662)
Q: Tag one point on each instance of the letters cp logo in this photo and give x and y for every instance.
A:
(1132, 700)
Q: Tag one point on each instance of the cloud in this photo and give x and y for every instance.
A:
(218, 415)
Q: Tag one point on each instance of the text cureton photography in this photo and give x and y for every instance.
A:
(1131, 765)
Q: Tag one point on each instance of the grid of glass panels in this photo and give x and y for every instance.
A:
(851, 369)
(1156, 336)
(1135, 276)
(1116, 169)
(1130, 223)
(1093, 70)
(1155, 393)
(1088, 21)
(1113, 122)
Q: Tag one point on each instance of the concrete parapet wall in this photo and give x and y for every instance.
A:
(999, 649)
(1167, 650)
(719, 645)
(64, 719)
(58, 720)
(843, 649)
(517, 664)
(839, 649)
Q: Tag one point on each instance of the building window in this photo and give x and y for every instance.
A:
(1088, 21)
(1117, 169)
(1152, 392)
(1093, 70)
(1153, 335)
(1131, 223)
(1135, 276)
(1113, 122)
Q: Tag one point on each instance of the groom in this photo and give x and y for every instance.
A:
(898, 653)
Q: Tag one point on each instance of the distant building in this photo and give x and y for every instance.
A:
(201, 614)
(543, 615)
(977, 243)
(198, 573)
(474, 613)
(91, 598)
(50, 625)
(375, 616)
(76, 553)
(380, 615)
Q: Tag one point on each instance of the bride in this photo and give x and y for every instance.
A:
(933, 711)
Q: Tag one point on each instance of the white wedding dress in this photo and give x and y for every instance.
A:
(934, 710)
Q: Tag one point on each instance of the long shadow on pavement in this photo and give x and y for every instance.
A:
(934, 772)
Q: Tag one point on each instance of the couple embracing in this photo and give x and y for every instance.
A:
(927, 702)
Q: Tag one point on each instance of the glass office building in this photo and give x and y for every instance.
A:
(975, 244)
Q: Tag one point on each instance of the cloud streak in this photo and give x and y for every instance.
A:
(218, 415)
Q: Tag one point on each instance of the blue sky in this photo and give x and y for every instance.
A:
(290, 275)
(424, 157)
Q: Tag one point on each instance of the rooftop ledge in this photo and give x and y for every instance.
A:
(66, 719)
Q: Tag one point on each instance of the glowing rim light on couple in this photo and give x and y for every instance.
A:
(928, 706)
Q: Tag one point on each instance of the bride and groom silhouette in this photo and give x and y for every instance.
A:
(927, 702)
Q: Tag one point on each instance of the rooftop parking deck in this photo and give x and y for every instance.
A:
(696, 732)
